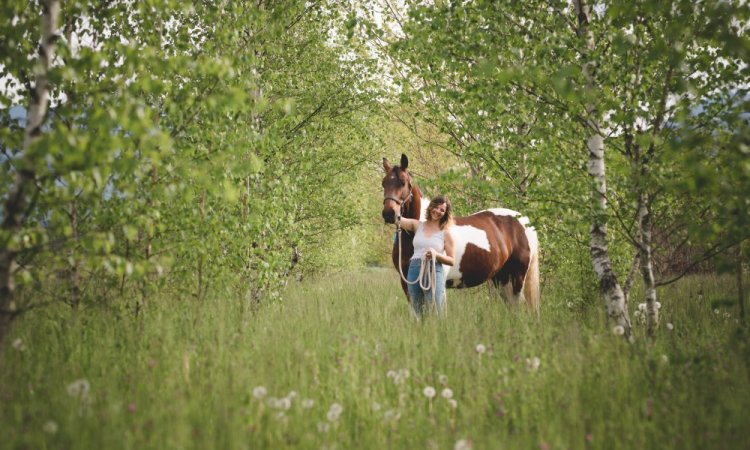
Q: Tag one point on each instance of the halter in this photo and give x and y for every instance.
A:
(398, 200)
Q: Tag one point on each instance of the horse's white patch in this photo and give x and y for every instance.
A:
(509, 212)
(462, 236)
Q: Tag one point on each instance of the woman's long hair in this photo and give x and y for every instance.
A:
(447, 218)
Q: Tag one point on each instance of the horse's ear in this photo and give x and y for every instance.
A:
(404, 161)
(386, 165)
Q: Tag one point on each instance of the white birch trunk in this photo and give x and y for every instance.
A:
(647, 272)
(613, 294)
(18, 201)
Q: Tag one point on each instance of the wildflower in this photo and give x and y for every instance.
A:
(447, 393)
(532, 364)
(308, 403)
(670, 327)
(334, 412)
(453, 403)
(259, 392)
(443, 379)
(463, 444)
(429, 392)
(618, 330)
(50, 427)
(19, 345)
(480, 348)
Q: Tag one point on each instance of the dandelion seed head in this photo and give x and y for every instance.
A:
(334, 412)
(50, 427)
(392, 415)
(480, 348)
(453, 403)
(308, 403)
(429, 392)
(664, 359)
(443, 379)
(79, 388)
(19, 345)
(642, 307)
(447, 393)
(463, 444)
(323, 427)
(259, 392)
(670, 327)
(376, 406)
(618, 330)
(533, 363)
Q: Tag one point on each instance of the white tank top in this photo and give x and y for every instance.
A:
(422, 242)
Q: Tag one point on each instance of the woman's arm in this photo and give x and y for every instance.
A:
(409, 224)
(446, 257)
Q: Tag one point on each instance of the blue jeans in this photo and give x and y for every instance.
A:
(421, 301)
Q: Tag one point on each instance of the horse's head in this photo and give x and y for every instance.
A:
(397, 189)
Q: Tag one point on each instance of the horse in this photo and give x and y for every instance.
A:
(495, 245)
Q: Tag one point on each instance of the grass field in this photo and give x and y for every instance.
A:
(340, 363)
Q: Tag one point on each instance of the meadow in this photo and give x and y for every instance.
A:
(338, 362)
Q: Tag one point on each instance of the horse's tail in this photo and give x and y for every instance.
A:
(531, 281)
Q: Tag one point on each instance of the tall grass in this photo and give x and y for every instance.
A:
(184, 374)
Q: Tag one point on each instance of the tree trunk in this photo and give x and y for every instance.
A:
(647, 272)
(614, 297)
(18, 201)
(75, 275)
(740, 285)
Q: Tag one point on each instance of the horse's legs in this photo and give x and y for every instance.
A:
(510, 283)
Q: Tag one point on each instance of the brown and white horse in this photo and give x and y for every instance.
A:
(497, 245)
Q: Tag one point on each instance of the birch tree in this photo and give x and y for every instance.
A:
(22, 195)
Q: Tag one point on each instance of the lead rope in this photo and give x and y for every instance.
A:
(426, 279)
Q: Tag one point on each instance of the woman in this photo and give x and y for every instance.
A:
(430, 238)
